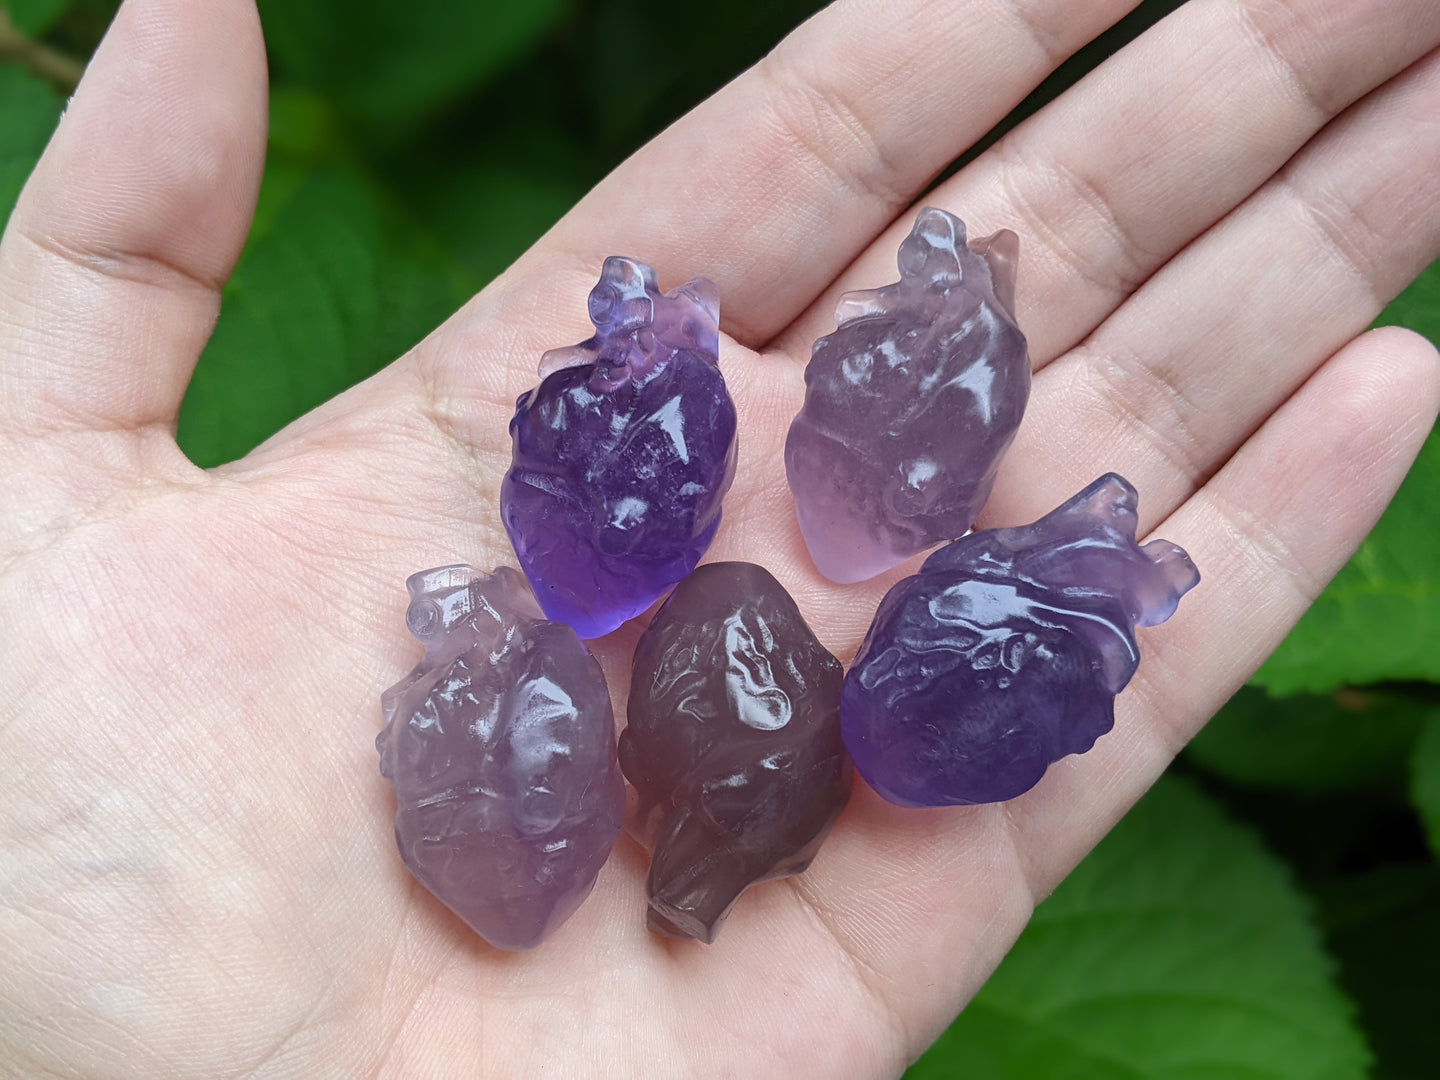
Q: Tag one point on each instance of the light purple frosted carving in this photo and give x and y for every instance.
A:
(910, 403)
(501, 748)
(622, 455)
(733, 744)
(1005, 652)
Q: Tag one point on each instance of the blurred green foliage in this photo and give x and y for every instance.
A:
(1313, 744)
(35, 17)
(28, 113)
(1271, 911)
(383, 64)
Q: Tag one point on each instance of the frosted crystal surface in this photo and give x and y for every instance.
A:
(910, 403)
(1005, 652)
(733, 744)
(623, 453)
(500, 746)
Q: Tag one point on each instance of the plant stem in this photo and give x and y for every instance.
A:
(51, 64)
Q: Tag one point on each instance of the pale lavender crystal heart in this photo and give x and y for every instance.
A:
(1005, 652)
(501, 748)
(910, 403)
(623, 453)
(733, 744)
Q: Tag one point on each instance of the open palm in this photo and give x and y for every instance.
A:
(198, 877)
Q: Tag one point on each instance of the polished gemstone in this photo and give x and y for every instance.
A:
(910, 403)
(1005, 652)
(623, 453)
(500, 746)
(733, 744)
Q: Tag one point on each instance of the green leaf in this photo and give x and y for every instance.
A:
(33, 17)
(487, 215)
(29, 111)
(303, 127)
(1380, 618)
(387, 63)
(324, 296)
(1179, 950)
(1425, 781)
(1310, 745)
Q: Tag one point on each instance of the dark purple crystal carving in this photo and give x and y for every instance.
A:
(1005, 652)
(501, 749)
(910, 403)
(733, 744)
(623, 453)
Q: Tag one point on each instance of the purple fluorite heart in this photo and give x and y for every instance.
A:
(501, 748)
(910, 403)
(623, 453)
(733, 744)
(1005, 652)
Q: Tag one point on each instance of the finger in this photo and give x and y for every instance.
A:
(771, 186)
(1173, 382)
(111, 266)
(1187, 368)
(1111, 180)
(767, 189)
(1267, 532)
(471, 370)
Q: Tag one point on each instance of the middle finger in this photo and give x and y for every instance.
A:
(1109, 181)
(1175, 380)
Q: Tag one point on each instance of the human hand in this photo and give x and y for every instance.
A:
(198, 875)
